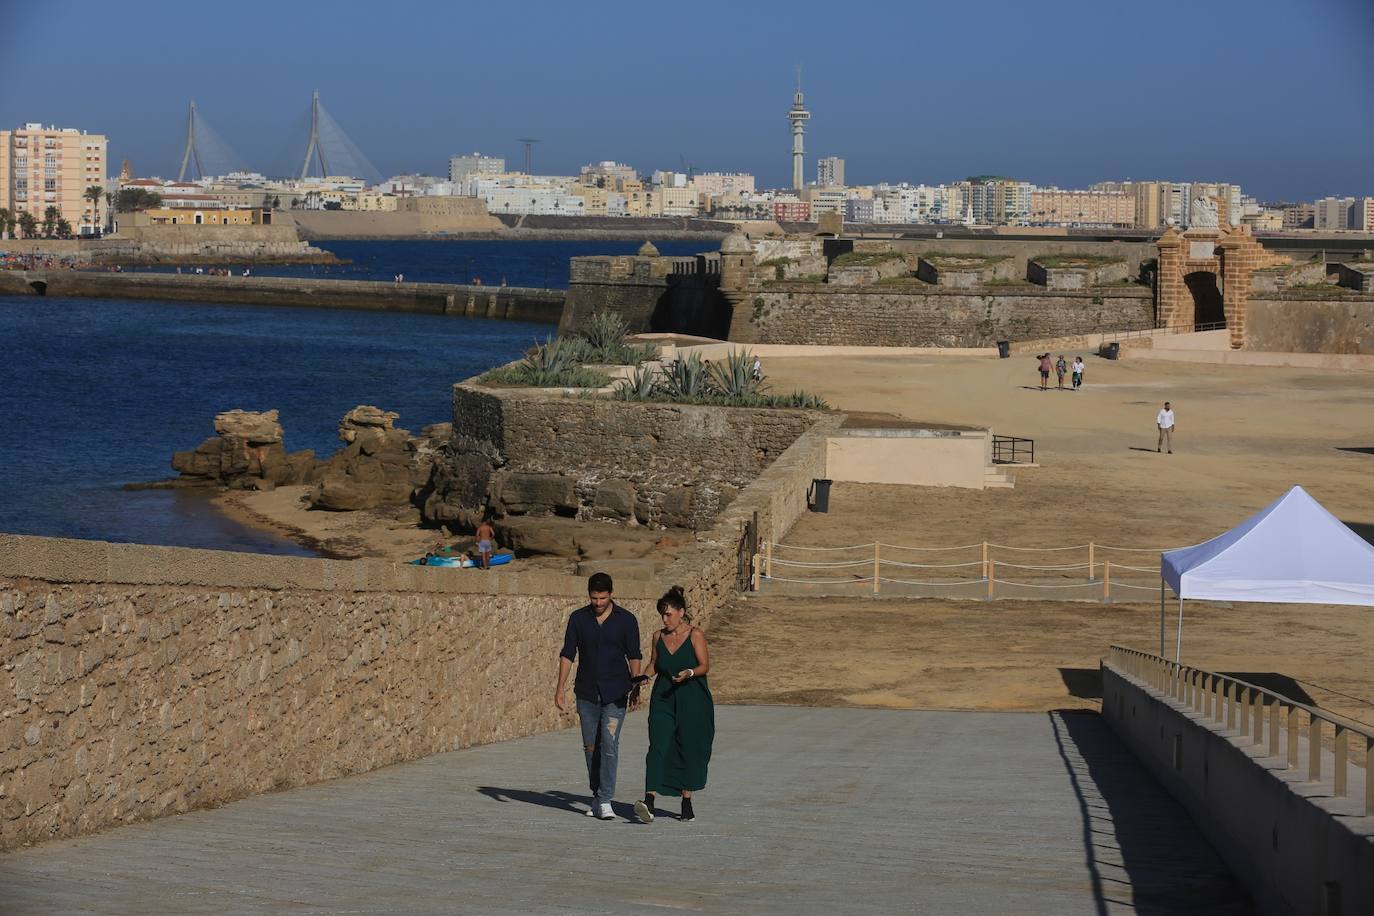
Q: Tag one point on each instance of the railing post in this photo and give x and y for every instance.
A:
(877, 565)
(1314, 749)
(992, 571)
(1216, 698)
(1338, 770)
(1106, 581)
(1275, 712)
(768, 559)
(1258, 710)
(1230, 719)
(986, 574)
(1092, 567)
(1292, 760)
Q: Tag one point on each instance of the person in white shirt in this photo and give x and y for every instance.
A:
(1165, 422)
(1077, 372)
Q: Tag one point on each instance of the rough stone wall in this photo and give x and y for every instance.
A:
(1286, 322)
(658, 464)
(806, 314)
(656, 294)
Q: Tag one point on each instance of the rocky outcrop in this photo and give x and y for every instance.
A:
(380, 464)
(246, 453)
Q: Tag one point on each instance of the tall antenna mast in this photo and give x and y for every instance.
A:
(192, 152)
(314, 147)
(529, 142)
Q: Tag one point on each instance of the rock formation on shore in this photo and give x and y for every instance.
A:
(380, 463)
(246, 453)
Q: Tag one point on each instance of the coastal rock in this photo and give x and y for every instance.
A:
(252, 427)
(247, 454)
(380, 464)
(537, 494)
(614, 499)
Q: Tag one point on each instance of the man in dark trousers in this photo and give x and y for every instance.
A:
(603, 638)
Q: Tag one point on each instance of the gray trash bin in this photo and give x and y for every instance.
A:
(1112, 350)
(1004, 349)
(818, 496)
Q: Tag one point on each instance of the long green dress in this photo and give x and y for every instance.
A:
(682, 725)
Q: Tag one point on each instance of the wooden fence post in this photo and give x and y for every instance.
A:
(985, 561)
(877, 561)
(1106, 581)
(1092, 566)
(768, 559)
(992, 569)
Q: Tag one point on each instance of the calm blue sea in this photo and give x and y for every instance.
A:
(97, 393)
(542, 265)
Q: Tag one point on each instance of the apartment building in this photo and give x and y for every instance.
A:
(791, 210)
(459, 167)
(718, 184)
(43, 167)
(830, 172)
(1058, 207)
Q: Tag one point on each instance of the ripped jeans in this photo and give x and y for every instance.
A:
(601, 724)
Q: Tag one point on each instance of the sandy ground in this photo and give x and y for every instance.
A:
(1245, 435)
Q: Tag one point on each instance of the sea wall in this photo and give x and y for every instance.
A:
(509, 302)
(1288, 321)
(527, 452)
(184, 244)
(811, 313)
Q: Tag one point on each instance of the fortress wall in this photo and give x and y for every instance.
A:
(874, 316)
(1286, 322)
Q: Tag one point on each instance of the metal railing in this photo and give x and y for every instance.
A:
(1162, 329)
(1012, 450)
(1236, 704)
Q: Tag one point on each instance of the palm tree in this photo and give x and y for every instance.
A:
(93, 194)
(27, 224)
(50, 217)
(4, 221)
(64, 229)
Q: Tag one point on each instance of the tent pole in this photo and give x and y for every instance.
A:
(1161, 615)
(1178, 652)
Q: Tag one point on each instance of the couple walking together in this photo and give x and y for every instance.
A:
(603, 638)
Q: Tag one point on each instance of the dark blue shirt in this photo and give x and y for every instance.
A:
(603, 676)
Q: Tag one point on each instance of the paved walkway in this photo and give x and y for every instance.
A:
(809, 810)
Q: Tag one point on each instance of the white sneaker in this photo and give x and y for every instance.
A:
(605, 813)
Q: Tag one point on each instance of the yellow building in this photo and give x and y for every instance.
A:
(43, 167)
(594, 199)
(188, 216)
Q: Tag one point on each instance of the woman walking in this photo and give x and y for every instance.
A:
(682, 719)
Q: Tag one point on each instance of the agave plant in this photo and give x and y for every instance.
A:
(733, 376)
(686, 378)
(638, 387)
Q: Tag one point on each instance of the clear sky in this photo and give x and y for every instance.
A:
(1277, 95)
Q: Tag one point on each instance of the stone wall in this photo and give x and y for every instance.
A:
(794, 313)
(652, 293)
(532, 453)
(1294, 321)
(514, 303)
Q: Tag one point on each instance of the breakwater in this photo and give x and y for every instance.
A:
(505, 302)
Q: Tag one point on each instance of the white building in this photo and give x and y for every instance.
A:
(534, 200)
(830, 172)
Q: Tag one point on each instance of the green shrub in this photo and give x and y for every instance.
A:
(555, 363)
(725, 383)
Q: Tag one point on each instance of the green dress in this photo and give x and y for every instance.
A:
(682, 725)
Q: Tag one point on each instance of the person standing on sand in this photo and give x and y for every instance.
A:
(1061, 369)
(486, 542)
(1077, 372)
(605, 637)
(682, 719)
(1165, 422)
(1045, 366)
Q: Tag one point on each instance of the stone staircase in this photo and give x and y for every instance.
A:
(994, 478)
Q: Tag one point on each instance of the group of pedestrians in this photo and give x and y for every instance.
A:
(603, 638)
(1060, 369)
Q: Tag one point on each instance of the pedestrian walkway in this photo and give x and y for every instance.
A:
(808, 810)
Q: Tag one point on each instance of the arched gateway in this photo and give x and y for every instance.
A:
(1204, 277)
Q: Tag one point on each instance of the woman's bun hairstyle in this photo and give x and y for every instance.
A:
(674, 597)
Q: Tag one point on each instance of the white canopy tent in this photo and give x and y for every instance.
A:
(1291, 551)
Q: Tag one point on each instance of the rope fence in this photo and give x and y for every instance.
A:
(772, 564)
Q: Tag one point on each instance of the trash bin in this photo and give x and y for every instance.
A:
(1112, 350)
(818, 496)
(1004, 348)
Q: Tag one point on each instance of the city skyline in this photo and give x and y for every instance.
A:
(914, 100)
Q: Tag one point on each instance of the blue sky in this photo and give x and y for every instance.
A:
(1274, 94)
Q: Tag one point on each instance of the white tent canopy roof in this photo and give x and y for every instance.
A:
(1292, 551)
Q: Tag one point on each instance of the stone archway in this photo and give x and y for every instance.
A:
(1183, 294)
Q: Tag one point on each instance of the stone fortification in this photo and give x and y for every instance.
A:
(1312, 320)
(140, 681)
(808, 313)
(519, 452)
(652, 293)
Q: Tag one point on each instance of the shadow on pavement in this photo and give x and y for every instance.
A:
(562, 801)
(1141, 849)
(1084, 683)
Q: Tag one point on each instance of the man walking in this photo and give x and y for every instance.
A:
(1165, 422)
(603, 638)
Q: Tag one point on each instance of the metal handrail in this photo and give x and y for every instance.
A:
(1245, 706)
(1000, 446)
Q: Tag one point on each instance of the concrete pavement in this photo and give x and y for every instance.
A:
(808, 810)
